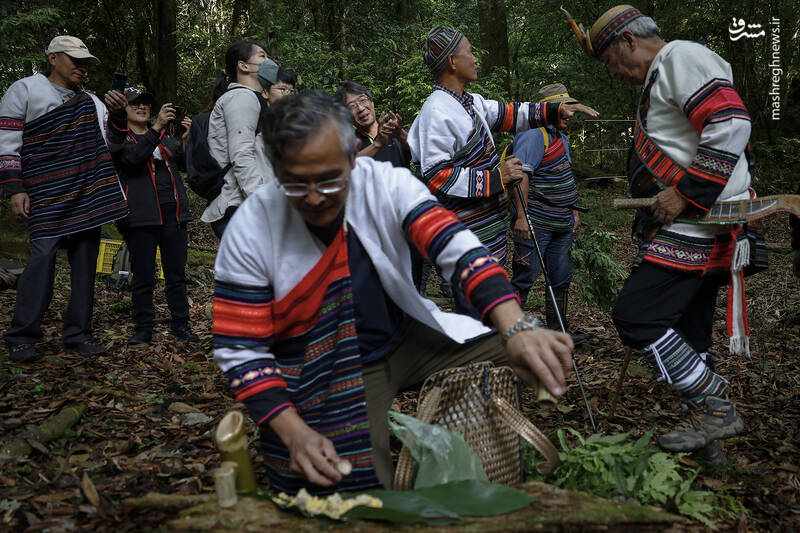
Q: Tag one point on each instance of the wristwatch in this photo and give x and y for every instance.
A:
(527, 322)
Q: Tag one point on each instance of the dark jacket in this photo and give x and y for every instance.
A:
(136, 166)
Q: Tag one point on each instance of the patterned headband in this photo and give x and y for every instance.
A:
(605, 30)
(609, 31)
(440, 42)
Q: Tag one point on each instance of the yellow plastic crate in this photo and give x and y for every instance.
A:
(108, 249)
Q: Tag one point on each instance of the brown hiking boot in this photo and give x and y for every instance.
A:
(720, 421)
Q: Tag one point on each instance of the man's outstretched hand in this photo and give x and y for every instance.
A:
(566, 111)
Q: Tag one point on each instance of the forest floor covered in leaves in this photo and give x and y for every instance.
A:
(149, 412)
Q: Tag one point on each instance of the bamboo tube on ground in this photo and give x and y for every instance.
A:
(543, 396)
(225, 484)
(231, 440)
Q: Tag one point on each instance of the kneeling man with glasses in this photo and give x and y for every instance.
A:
(317, 325)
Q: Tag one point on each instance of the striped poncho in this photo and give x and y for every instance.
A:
(451, 140)
(68, 173)
(284, 323)
(552, 177)
(53, 147)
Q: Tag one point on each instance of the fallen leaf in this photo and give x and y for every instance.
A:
(194, 419)
(78, 458)
(182, 408)
(38, 446)
(89, 490)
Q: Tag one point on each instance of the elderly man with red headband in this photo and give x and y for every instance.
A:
(691, 138)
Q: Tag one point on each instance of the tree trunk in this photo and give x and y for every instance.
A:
(261, 12)
(402, 9)
(317, 15)
(141, 62)
(165, 85)
(494, 38)
(239, 19)
(334, 22)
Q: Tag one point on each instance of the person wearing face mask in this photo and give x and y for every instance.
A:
(56, 168)
(149, 163)
(234, 139)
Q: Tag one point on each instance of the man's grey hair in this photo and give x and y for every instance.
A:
(640, 27)
(292, 119)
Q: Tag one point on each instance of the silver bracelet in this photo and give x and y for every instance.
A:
(527, 322)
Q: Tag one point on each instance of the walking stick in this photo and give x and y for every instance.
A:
(625, 363)
(524, 203)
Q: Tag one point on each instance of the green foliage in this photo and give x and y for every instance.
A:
(615, 466)
(21, 45)
(598, 275)
(776, 164)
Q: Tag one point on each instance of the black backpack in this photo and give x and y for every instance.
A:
(203, 174)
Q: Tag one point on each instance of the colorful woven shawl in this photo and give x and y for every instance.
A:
(316, 351)
(68, 173)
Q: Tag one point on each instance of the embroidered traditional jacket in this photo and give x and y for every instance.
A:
(451, 140)
(698, 129)
(552, 177)
(284, 326)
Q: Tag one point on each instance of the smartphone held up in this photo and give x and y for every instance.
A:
(118, 82)
(175, 127)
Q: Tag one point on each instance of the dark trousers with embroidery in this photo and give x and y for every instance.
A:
(655, 299)
(671, 314)
(35, 288)
(171, 238)
(421, 352)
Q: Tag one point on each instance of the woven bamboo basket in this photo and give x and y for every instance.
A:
(479, 401)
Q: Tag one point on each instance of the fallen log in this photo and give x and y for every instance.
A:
(49, 430)
(553, 509)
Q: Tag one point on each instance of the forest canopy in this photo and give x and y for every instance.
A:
(175, 48)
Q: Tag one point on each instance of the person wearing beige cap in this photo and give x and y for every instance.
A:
(65, 197)
(690, 141)
(546, 152)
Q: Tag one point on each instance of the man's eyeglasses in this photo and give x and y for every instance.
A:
(284, 90)
(299, 190)
(361, 101)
